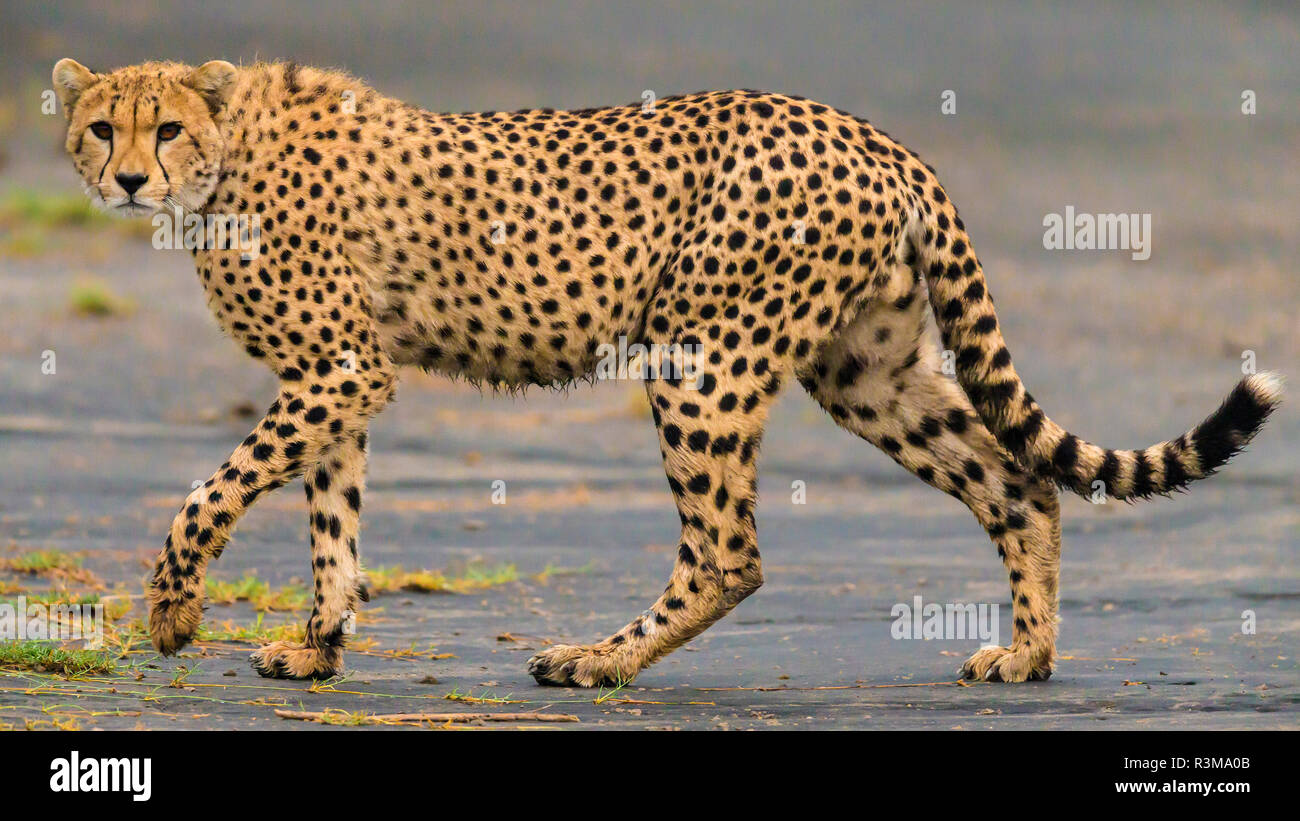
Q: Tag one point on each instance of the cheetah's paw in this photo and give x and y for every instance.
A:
(282, 659)
(174, 618)
(1006, 664)
(567, 665)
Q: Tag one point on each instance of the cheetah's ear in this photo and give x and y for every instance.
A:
(214, 81)
(70, 80)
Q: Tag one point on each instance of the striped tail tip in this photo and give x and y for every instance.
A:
(1230, 428)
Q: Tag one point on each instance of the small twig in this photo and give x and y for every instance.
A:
(440, 718)
(666, 703)
(828, 687)
(1087, 658)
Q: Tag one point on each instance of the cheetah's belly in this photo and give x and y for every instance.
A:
(482, 346)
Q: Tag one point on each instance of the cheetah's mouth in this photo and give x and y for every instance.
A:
(133, 208)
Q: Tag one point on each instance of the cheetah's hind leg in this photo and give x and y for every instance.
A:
(881, 380)
(710, 451)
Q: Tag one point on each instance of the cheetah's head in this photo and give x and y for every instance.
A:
(146, 137)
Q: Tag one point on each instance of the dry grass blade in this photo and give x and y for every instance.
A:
(333, 716)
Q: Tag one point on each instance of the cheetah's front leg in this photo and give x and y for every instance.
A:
(312, 416)
(334, 487)
(269, 457)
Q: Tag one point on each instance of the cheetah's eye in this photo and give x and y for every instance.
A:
(169, 131)
(102, 130)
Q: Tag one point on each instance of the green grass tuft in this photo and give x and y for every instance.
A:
(258, 593)
(93, 298)
(474, 577)
(47, 209)
(42, 561)
(44, 657)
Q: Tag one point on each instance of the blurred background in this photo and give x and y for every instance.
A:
(1106, 107)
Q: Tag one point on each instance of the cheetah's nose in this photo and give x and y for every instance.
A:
(131, 182)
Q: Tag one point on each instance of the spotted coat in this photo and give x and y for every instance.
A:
(780, 238)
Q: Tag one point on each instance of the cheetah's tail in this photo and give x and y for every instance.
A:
(969, 327)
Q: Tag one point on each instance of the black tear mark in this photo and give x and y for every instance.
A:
(157, 146)
(111, 144)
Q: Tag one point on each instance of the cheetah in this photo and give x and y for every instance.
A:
(776, 237)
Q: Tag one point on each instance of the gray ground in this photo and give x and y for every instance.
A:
(1056, 107)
